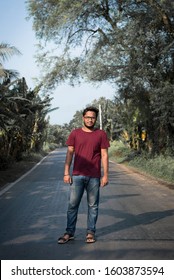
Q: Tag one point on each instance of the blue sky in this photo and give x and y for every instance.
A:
(17, 31)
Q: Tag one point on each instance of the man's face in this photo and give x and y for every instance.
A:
(89, 119)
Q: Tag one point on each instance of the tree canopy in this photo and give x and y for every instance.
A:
(129, 43)
(100, 39)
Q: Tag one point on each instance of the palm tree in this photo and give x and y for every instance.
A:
(6, 52)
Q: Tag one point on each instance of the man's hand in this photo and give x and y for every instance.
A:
(104, 181)
(67, 179)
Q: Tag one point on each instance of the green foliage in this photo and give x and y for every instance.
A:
(118, 151)
(160, 166)
(6, 51)
(22, 115)
(57, 135)
(31, 156)
(126, 42)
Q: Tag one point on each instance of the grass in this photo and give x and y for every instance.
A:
(161, 166)
(118, 151)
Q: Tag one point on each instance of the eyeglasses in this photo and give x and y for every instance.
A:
(90, 118)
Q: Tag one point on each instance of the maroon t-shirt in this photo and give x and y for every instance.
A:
(88, 147)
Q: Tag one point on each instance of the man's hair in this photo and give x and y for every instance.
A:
(91, 108)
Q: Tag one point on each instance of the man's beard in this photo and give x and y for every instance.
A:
(89, 126)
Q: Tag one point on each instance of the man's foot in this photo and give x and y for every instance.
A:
(90, 238)
(65, 238)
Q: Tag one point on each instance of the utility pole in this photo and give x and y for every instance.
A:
(100, 116)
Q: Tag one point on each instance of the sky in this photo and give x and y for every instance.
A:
(17, 31)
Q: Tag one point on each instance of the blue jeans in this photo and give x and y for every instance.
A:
(92, 187)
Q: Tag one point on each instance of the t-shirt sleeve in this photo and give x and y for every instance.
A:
(71, 139)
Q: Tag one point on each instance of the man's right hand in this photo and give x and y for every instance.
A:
(67, 179)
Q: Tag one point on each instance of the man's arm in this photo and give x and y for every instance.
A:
(68, 161)
(105, 164)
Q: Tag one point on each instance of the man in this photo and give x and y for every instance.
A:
(90, 147)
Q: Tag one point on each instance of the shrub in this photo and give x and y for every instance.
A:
(118, 151)
(159, 166)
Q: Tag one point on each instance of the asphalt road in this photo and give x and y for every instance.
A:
(136, 217)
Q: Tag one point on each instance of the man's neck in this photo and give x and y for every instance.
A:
(87, 129)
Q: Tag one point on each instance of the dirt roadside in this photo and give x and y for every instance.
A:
(15, 171)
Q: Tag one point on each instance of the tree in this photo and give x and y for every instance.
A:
(100, 27)
(23, 112)
(6, 51)
(128, 42)
(23, 121)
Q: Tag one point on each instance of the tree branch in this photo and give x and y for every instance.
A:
(88, 30)
(165, 18)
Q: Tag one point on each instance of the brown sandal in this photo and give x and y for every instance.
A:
(65, 238)
(90, 238)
